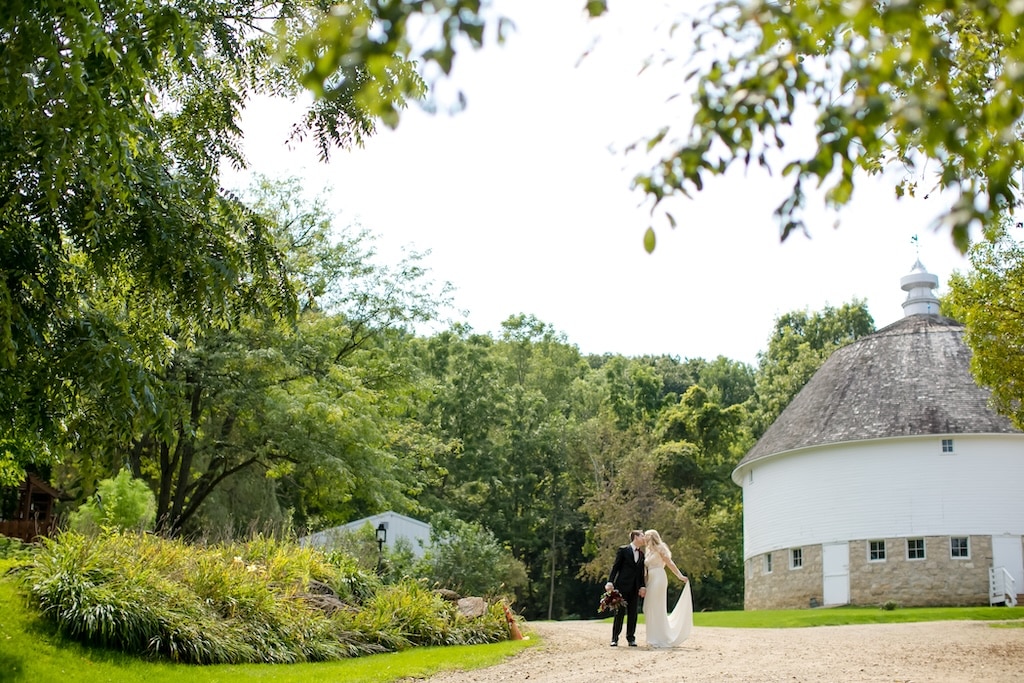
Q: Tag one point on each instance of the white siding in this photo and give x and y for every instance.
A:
(883, 489)
(417, 533)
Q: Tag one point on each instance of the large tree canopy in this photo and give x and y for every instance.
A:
(116, 116)
(932, 87)
(321, 403)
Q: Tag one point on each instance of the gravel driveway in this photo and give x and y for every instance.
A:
(935, 652)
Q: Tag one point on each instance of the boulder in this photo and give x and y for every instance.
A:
(472, 607)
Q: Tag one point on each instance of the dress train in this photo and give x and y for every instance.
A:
(664, 629)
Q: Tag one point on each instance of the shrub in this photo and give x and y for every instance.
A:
(467, 558)
(15, 549)
(122, 502)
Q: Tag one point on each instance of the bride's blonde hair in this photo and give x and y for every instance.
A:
(653, 539)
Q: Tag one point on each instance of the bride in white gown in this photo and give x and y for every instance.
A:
(664, 629)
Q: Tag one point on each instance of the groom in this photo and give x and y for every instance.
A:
(627, 576)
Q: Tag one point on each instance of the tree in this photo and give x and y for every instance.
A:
(507, 405)
(115, 119)
(635, 391)
(929, 87)
(635, 498)
(734, 381)
(704, 441)
(701, 442)
(322, 404)
(987, 300)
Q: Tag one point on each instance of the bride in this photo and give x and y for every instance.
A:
(662, 628)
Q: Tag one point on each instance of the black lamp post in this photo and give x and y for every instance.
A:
(382, 537)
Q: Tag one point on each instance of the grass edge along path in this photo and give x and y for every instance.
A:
(849, 615)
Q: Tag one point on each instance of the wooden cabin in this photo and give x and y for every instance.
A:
(27, 512)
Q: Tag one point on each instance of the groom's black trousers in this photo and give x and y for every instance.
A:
(629, 615)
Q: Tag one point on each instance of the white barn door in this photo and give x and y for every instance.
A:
(835, 565)
(1006, 553)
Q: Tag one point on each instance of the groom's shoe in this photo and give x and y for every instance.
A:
(615, 643)
(632, 643)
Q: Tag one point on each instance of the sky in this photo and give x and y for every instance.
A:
(524, 202)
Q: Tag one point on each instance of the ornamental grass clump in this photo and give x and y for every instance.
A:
(266, 601)
(147, 595)
(99, 592)
(407, 614)
(491, 628)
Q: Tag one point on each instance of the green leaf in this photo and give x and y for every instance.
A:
(596, 8)
(649, 241)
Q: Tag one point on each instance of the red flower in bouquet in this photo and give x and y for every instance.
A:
(611, 601)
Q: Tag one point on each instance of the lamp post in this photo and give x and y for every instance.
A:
(382, 537)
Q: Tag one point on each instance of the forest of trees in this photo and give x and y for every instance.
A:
(257, 367)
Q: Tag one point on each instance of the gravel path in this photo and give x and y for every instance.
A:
(936, 652)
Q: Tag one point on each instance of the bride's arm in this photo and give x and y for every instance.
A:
(675, 570)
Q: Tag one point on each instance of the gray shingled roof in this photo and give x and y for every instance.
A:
(910, 378)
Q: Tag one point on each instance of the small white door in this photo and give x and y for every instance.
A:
(1006, 553)
(835, 565)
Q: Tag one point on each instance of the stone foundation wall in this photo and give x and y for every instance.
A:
(783, 588)
(937, 580)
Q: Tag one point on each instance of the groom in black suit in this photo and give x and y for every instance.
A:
(627, 576)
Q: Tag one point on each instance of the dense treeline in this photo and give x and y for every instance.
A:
(560, 454)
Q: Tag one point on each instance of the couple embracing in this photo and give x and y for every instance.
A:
(639, 572)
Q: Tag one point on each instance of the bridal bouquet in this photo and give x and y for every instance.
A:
(611, 601)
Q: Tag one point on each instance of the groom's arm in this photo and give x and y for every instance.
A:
(614, 573)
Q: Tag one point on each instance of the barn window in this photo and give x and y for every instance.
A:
(960, 548)
(796, 558)
(767, 563)
(876, 551)
(915, 548)
(947, 446)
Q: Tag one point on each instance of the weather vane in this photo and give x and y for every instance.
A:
(917, 247)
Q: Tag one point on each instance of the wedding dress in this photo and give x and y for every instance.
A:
(662, 628)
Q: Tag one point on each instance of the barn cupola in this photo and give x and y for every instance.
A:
(921, 300)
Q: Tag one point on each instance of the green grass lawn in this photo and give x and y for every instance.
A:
(31, 651)
(840, 616)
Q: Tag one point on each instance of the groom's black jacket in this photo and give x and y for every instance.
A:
(628, 576)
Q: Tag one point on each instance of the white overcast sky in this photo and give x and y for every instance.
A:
(524, 201)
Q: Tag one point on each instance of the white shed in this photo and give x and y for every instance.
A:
(396, 526)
